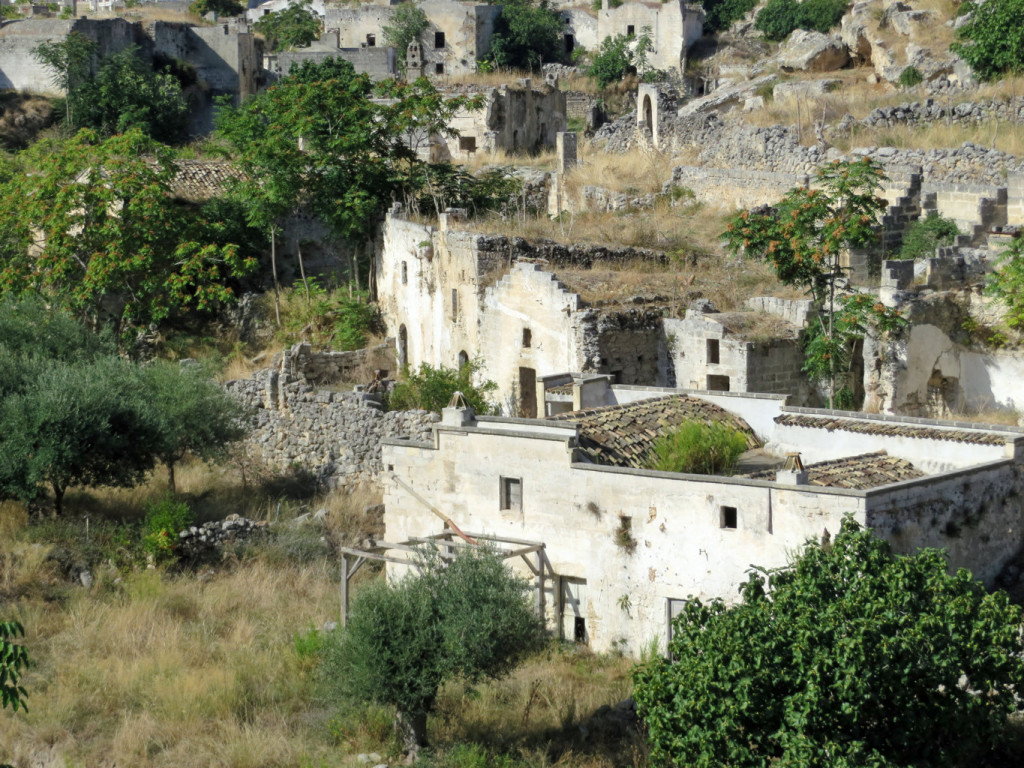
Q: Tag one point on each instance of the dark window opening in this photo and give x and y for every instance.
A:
(527, 337)
(570, 43)
(463, 358)
(579, 630)
(713, 351)
(439, 68)
(511, 494)
(728, 517)
(616, 377)
(718, 383)
(371, 41)
(467, 143)
(630, 30)
(405, 273)
(439, 39)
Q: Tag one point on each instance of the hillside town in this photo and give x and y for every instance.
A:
(525, 383)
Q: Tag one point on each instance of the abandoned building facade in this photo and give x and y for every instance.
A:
(626, 546)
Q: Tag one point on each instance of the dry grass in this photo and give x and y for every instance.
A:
(995, 134)
(147, 12)
(218, 667)
(639, 171)
(544, 160)
(511, 77)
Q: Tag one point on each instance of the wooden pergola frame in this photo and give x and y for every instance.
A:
(352, 559)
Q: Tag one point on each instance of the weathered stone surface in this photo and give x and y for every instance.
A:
(854, 31)
(803, 89)
(725, 98)
(813, 52)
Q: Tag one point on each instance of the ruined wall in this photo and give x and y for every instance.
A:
(377, 62)
(513, 118)
(335, 435)
(733, 188)
(19, 69)
(301, 362)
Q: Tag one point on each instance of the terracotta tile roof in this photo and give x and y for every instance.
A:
(622, 435)
(889, 428)
(200, 180)
(867, 470)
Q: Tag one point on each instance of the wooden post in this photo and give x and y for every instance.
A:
(344, 589)
(538, 558)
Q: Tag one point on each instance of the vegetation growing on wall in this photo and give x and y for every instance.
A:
(1006, 283)
(699, 448)
(926, 234)
(432, 388)
(407, 24)
(852, 656)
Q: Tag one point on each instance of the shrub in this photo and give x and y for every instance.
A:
(722, 13)
(927, 234)
(220, 7)
(432, 388)
(851, 657)
(328, 317)
(526, 35)
(779, 18)
(612, 61)
(992, 42)
(698, 448)
(165, 519)
(294, 27)
(910, 77)
(1006, 283)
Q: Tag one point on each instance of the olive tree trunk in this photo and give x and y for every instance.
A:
(411, 730)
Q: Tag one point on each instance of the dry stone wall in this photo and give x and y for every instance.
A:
(335, 435)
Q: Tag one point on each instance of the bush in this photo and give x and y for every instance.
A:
(165, 519)
(294, 27)
(927, 234)
(1006, 283)
(851, 657)
(698, 448)
(910, 77)
(329, 317)
(779, 18)
(220, 7)
(992, 42)
(720, 14)
(432, 388)
(527, 35)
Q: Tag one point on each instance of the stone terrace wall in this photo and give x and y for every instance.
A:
(736, 188)
(302, 363)
(336, 435)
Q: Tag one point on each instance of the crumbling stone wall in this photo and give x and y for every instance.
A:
(336, 435)
(301, 362)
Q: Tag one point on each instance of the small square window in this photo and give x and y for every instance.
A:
(527, 337)
(630, 30)
(439, 68)
(511, 494)
(713, 351)
(728, 517)
(371, 41)
(439, 39)
(467, 143)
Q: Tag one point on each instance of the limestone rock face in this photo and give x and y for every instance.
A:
(854, 31)
(813, 52)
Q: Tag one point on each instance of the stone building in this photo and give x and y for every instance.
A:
(624, 547)
(673, 27)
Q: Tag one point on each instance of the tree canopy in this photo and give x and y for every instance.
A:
(95, 230)
(293, 27)
(120, 93)
(468, 618)
(527, 35)
(803, 237)
(407, 24)
(992, 40)
(851, 657)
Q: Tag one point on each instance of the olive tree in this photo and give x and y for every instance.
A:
(467, 619)
(850, 657)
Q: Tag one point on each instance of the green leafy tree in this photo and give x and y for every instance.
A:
(220, 7)
(1006, 283)
(333, 141)
(527, 35)
(407, 24)
(803, 238)
(720, 14)
(851, 657)
(618, 56)
(432, 388)
(294, 27)
(165, 519)
(698, 448)
(992, 41)
(118, 92)
(95, 230)
(70, 64)
(779, 18)
(13, 659)
(468, 618)
(192, 415)
(75, 425)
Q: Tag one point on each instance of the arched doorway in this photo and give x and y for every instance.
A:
(648, 114)
(463, 358)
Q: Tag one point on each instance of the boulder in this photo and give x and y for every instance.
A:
(813, 52)
(853, 31)
(909, 22)
(724, 99)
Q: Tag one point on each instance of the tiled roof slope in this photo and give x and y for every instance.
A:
(868, 470)
(622, 435)
(199, 180)
(888, 428)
